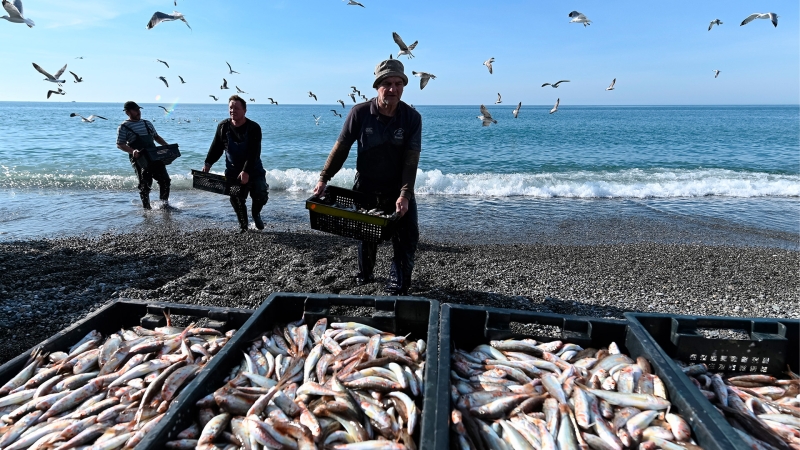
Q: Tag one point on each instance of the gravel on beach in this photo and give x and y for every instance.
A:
(48, 284)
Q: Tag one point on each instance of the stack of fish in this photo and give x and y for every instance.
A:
(522, 394)
(102, 393)
(347, 386)
(764, 410)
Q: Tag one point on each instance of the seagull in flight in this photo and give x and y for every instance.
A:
(182, 82)
(354, 3)
(214, 97)
(316, 119)
(14, 11)
(499, 99)
(163, 62)
(79, 57)
(53, 79)
(253, 100)
(516, 111)
(239, 91)
(485, 117)
(166, 110)
(488, 63)
(771, 16)
(59, 92)
(555, 108)
(355, 90)
(579, 18)
(77, 78)
(353, 96)
(555, 85)
(89, 119)
(311, 94)
(271, 101)
(224, 84)
(336, 113)
(164, 80)
(611, 86)
(159, 17)
(342, 102)
(364, 97)
(404, 49)
(230, 69)
(424, 77)
(716, 73)
(714, 22)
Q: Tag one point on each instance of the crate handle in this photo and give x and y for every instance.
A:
(499, 324)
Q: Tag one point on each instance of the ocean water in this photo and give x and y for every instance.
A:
(719, 174)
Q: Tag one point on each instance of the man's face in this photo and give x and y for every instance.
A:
(390, 90)
(236, 111)
(134, 114)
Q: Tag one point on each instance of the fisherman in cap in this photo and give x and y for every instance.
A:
(133, 136)
(389, 136)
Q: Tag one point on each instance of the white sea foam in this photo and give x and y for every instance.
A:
(631, 183)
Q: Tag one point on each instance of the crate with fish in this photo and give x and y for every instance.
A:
(352, 214)
(217, 184)
(314, 371)
(109, 378)
(745, 367)
(528, 380)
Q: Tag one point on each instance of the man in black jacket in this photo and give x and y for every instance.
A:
(240, 139)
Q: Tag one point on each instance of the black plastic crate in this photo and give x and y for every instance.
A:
(399, 315)
(164, 154)
(331, 213)
(468, 326)
(770, 346)
(217, 184)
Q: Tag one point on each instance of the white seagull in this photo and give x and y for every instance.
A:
(716, 73)
(404, 49)
(579, 18)
(311, 94)
(59, 92)
(485, 117)
(424, 77)
(239, 91)
(14, 11)
(771, 16)
(164, 80)
(163, 62)
(342, 102)
(488, 64)
(89, 119)
(271, 101)
(555, 108)
(77, 78)
(516, 111)
(716, 22)
(230, 69)
(53, 79)
(354, 3)
(611, 86)
(214, 97)
(499, 99)
(316, 119)
(224, 84)
(555, 85)
(159, 17)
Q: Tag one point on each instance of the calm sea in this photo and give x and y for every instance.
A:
(585, 174)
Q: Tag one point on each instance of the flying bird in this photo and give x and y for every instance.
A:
(516, 111)
(356, 90)
(77, 78)
(59, 92)
(316, 119)
(341, 102)
(14, 11)
(89, 119)
(336, 113)
(354, 3)
(239, 91)
(555, 85)
(611, 86)
(163, 62)
(311, 94)
(159, 17)
(224, 84)
(488, 63)
(555, 108)
(485, 117)
(214, 97)
(714, 22)
(424, 77)
(182, 82)
(253, 100)
(271, 101)
(79, 57)
(353, 96)
(230, 68)
(579, 18)
(716, 73)
(499, 99)
(166, 110)
(51, 78)
(164, 80)
(364, 97)
(771, 16)
(404, 49)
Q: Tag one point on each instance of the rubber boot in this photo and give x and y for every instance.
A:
(256, 209)
(145, 196)
(240, 208)
(163, 194)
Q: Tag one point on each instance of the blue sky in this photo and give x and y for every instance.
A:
(660, 52)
